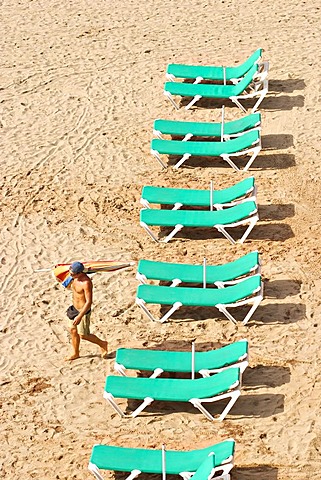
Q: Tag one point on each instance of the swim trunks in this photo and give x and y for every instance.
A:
(83, 328)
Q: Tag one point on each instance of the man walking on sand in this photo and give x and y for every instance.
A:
(79, 312)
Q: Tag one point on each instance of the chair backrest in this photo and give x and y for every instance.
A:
(209, 72)
(171, 361)
(206, 297)
(207, 149)
(198, 218)
(172, 389)
(207, 129)
(211, 91)
(240, 70)
(197, 198)
(165, 271)
(108, 457)
(245, 81)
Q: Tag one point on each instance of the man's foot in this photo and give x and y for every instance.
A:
(104, 350)
(72, 357)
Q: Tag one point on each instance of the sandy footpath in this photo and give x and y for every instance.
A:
(80, 86)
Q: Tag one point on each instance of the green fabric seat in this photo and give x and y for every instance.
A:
(176, 70)
(207, 129)
(185, 273)
(205, 363)
(247, 292)
(233, 92)
(199, 198)
(225, 384)
(248, 143)
(141, 460)
(241, 214)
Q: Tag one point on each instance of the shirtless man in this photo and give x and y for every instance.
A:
(79, 324)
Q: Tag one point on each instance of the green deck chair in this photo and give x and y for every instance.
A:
(240, 215)
(223, 385)
(215, 73)
(207, 129)
(205, 363)
(246, 88)
(247, 144)
(178, 197)
(247, 292)
(219, 275)
(141, 460)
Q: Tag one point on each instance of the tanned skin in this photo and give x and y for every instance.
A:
(82, 298)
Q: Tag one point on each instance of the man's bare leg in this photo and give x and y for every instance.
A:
(102, 343)
(75, 342)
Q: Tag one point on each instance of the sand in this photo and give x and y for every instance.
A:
(81, 84)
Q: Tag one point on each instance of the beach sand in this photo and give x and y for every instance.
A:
(81, 84)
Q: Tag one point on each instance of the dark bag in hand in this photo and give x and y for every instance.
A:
(72, 312)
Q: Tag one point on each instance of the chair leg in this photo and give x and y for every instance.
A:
(198, 403)
(148, 230)
(173, 233)
(147, 401)
(145, 203)
(234, 396)
(182, 160)
(252, 224)
(252, 310)
(255, 301)
(251, 221)
(256, 151)
(222, 308)
(170, 98)
(187, 137)
(191, 103)
(262, 95)
(235, 100)
(167, 315)
(133, 474)
(186, 475)
(157, 134)
(120, 369)
(110, 399)
(142, 305)
(222, 230)
(221, 472)
(177, 206)
(156, 373)
(155, 154)
(177, 228)
(95, 471)
(141, 278)
(170, 312)
(230, 162)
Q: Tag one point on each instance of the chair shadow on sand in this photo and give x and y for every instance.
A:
(281, 288)
(273, 102)
(247, 406)
(273, 313)
(275, 232)
(276, 211)
(258, 472)
(275, 161)
(278, 141)
(265, 376)
(287, 85)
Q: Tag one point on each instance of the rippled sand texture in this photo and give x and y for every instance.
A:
(80, 86)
